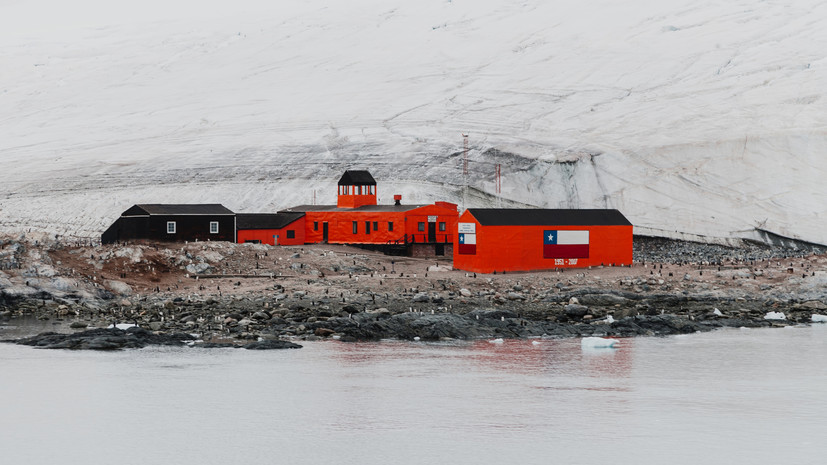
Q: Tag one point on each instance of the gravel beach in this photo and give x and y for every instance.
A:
(235, 294)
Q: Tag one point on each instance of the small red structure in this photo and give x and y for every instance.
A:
(356, 188)
(270, 228)
(492, 239)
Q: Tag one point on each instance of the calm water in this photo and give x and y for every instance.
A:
(734, 396)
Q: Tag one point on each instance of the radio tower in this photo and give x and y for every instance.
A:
(465, 170)
(499, 186)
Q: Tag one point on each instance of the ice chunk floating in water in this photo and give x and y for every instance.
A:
(123, 326)
(496, 341)
(597, 343)
(775, 316)
(819, 318)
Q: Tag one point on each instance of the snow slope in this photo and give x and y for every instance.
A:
(692, 117)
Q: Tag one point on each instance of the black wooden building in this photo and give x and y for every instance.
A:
(173, 223)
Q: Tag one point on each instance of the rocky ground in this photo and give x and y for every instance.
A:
(237, 294)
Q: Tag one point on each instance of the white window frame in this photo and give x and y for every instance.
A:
(173, 229)
(216, 227)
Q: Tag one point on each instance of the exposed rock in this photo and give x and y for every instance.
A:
(198, 268)
(270, 344)
(421, 297)
(118, 287)
(577, 311)
(104, 339)
(324, 332)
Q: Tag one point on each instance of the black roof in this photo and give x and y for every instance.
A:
(548, 217)
(177, 209)
(357, 178)
(265, 220)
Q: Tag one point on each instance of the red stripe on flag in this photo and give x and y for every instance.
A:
(467, 249)
(565, 250)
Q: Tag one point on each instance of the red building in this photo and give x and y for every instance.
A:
(270, 228)
(491, 239)
(423, 230)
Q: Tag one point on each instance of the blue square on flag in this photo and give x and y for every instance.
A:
(565, 244)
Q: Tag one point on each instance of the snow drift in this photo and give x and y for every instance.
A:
(696, 119)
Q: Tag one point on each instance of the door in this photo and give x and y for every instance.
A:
(431, 232)
(324, 232)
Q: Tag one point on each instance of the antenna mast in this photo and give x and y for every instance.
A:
(499, 185)
(465, 170)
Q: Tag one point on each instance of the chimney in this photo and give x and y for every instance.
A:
(397, 199)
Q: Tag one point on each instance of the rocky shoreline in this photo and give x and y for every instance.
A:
(221, 294)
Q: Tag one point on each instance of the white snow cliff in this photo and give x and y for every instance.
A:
(696, 119)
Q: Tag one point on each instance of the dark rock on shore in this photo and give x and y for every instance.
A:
(104, 339)
(270, 344)
(474, 326)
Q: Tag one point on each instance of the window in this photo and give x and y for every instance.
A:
(355, 227)
(390, 226)
(213, 227)
(421, 226)
(442, 226)
(315, 225)
(291, 234)
(376, 226)
(170, 227)
(367, 227)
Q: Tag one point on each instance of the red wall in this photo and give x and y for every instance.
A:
(340, 225)
(265, 236)
(444, 212)
(520, 248)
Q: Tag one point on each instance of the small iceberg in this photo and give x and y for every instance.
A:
(775, 316)
(819, 318)
(717, 312)
(496, 341)
(121, 326)
(597, 343)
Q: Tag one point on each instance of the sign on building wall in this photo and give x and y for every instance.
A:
(468, 228)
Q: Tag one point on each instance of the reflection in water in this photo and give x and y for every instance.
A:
(522, 401)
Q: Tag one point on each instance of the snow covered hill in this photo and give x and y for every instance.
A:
(695, 118)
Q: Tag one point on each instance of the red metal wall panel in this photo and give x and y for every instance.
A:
(267, 236)
(340, 227)
(442, 212)
(521, 248)
(405, 225)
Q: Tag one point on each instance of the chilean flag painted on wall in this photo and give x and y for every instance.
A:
(467, 243)
(565, 244)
